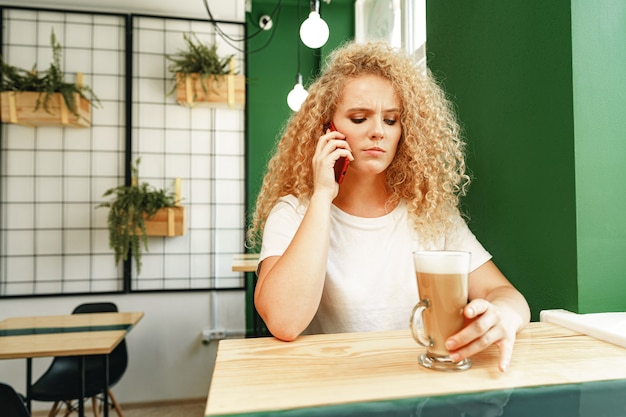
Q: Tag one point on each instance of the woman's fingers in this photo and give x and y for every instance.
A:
(487, 327)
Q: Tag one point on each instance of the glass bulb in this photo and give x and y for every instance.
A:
(296, 97)
(314, 31)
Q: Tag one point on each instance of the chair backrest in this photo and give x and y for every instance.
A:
(118, 359)
(11, 404)
(103, 307)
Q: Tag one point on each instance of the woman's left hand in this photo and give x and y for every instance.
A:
(489, 324)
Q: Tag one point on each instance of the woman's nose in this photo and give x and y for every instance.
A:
(377, 130)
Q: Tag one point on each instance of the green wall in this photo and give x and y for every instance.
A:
(540, 89)
(599, 61)
(507, 66)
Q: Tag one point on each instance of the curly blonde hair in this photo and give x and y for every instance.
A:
(428, 171)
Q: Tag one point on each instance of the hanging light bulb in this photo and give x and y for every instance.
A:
(314, 31)
(297, 95)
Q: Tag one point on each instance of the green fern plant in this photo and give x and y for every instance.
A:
(47, 82)
(130, 206)
(198, 58)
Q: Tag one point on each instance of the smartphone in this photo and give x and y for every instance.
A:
(341, 165)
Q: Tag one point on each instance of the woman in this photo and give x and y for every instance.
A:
(336, 257)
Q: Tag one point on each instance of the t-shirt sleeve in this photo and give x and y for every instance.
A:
(280, 227)
(462, 238)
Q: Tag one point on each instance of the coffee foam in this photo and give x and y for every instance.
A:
(442, 262)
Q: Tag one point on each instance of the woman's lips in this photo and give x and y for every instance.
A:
(375, 151)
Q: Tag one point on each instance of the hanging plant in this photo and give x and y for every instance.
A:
(44, 91)
(201, 75)
(130, 209)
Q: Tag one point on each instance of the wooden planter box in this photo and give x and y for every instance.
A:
(168, 221)
(19, 108)
(229, 90)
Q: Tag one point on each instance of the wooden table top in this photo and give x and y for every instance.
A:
(245, 262)
(64, 335)
(265, 374)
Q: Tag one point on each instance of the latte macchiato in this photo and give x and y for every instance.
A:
(447, 295)
(442, 281)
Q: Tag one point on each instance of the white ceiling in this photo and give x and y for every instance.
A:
(232, 10)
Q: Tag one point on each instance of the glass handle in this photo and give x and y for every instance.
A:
(417, 324)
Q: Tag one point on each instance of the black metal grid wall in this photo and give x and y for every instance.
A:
(53, 239)
(202, 146)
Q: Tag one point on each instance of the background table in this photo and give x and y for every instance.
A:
(65, 335)
(248, 262)
(377, 373)
(245, 262)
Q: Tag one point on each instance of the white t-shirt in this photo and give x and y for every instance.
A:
(370, 277)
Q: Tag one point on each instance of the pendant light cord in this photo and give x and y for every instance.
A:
(229, 39)
(298, 40)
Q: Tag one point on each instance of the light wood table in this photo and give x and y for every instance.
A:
(65, 335)
(266, 375)
(245, 262)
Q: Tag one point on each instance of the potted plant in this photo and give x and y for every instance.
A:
(201, 76)
(138, 211)
(43, 98)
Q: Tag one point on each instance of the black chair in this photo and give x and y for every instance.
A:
(11, 403)
(61, 382)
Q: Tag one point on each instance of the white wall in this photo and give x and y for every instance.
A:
(167, 359)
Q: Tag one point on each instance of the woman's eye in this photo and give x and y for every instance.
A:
(359, 120)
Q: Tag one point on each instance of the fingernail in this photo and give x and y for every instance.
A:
(470, 312)
(450, 344)
(455, 357)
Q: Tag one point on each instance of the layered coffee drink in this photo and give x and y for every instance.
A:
(447, 294)
(442, 282)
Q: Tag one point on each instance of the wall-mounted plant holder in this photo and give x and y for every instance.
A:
(218, 90)
(21, 108)
(168, 221)
(227, 90)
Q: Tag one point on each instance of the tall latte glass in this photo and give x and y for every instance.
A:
(442, 280)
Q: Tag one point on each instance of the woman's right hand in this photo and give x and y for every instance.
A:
(330, 147)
